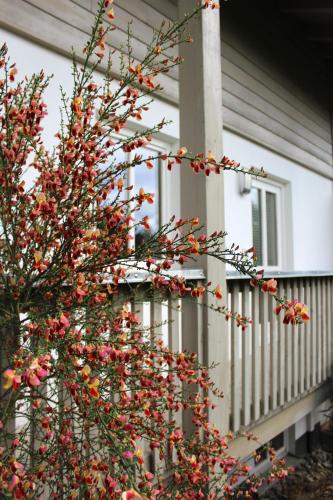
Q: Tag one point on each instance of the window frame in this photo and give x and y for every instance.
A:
(279, 188)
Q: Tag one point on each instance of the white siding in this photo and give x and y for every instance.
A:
(63, 24)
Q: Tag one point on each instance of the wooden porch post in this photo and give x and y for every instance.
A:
(201, 130)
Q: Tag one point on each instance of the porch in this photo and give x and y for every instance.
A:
(273, 374)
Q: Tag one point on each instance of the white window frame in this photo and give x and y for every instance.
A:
(281, 190)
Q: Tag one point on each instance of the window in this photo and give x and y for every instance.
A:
(266, 220)
(148, 179)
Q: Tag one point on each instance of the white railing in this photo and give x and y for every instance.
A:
(269, 365)
(272, 364)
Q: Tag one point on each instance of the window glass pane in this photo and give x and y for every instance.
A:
(256, 224)
(148, 179)
(119, 156)
(272, 253)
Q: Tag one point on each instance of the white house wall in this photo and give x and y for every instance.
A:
(32, 57)
(311, 197)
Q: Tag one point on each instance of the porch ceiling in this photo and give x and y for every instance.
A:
(315, 19)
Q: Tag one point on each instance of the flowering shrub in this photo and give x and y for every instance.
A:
(87, 388)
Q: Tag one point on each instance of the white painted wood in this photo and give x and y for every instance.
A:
(265, 360)
(273, 355)
(165, 7)
(138, 307)
(87, 4)
(76, 17)
(324, 326)
(295, 345)
(256, 359)
(255, 132)
(156, 317)
(205, 135)
(246, 361)
(174, 326)
(239, 69)
(270, 427)
(319, 324)
(313, 312)
(236, 368)
(192, 341)
(284, 129)
(234, 48)
(281, 350)
(32, 22)
(302, 341)
(174, 305)
(307, 336)
(330, 324)
(289, 354)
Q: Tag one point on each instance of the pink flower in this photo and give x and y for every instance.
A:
(128, 455)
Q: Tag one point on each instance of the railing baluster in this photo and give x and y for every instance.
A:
(295, 340)
(192, 341)
(246, 372)
(255, 355)
(282, 350)
(264, 353)
(137, 306)
(307, 334)
(319, 323)
(273, 354)
(289, 356)
(301, 341)
(330, 324)
(235, 362)
(314, 343)
(324, 328)
(156, 320)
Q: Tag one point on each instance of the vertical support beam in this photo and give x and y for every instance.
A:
(201, 128)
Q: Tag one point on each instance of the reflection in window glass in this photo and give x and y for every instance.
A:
(272, 254)
(148, 180)
(256, 224)
(118, 157)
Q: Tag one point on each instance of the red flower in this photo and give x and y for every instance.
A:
(269, 286)
(218, 292)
